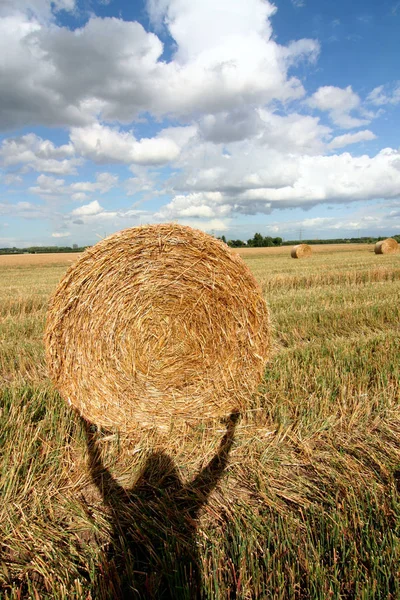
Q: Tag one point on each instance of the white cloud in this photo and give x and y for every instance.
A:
(104, 183)
(12, 179)
(25, 210)
(104, 144)
(382, 95)
(339, 103)
(310, 180)
(377, 222)
(294, 133)
(196, 205)
(209, 225)
(79, 197)
(48, 185)
(61, 234)
(93, 208)
(42, 9)
(238, 146)
(225, 58)
(32, 152)
(352, 138)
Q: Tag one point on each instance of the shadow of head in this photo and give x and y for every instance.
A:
(159, 473)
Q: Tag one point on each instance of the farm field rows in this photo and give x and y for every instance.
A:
(309, 504)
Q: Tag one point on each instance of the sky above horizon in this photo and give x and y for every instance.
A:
(232, 116)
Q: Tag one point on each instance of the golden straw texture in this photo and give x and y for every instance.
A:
(301, 251)
(388, 246)
(157, 324)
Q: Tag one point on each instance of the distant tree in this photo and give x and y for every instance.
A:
(236, 243)
(268, 241)
(257, 241)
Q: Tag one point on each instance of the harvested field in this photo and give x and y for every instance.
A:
(22, 260)
(299, 499)
(316, 248)
(12, 260)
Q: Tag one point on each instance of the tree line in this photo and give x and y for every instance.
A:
(259, 241)
(42, 249)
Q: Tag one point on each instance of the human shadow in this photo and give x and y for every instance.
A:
(153, 550)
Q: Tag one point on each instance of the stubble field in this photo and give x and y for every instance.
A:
(308, 505)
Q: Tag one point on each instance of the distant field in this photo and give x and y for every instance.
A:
(11, 260)
(317, 248)
(69, 258)
(309, 506)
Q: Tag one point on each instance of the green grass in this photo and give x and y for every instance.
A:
(309, 504)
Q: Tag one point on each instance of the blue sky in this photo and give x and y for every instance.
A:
(232, 116)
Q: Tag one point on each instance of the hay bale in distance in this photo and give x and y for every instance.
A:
(301, 251)
(388, 246)
(156, 324)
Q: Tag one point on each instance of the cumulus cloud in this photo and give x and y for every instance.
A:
(23, 209)
(377, 222)
(79, 197)
(352, 138)
(104, 144)
(48, 186)
(234, 143)
(32, 152)
(236, 125)
(339, 103)
(93, 208)
(104, 183)
(41, 9)
(309, 180)
(225, 58)
(197, 205)
(60, 234)
(294, 133)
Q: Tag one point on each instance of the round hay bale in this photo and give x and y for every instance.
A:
(388, 246)
(156, 324)
(301, 251)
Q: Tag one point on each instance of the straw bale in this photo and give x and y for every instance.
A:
(388, 246)
(301, 251)
(157, 325)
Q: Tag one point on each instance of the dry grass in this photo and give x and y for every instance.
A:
(70, 258)
(316, 248)
(308, 506)
(157, 326)
(24, 260)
